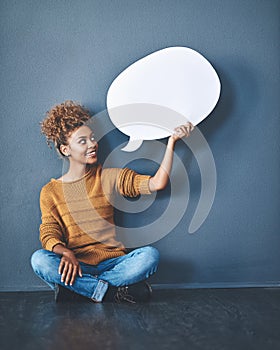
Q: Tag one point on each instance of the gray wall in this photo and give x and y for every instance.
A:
(57, 50)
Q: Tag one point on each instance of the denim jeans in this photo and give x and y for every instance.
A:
(131, 268)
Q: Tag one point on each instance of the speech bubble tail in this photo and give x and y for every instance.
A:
(132, 145)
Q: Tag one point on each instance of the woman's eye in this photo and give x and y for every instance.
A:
(92, 138)
(83, 141)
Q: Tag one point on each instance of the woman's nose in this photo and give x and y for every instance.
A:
(91, 143)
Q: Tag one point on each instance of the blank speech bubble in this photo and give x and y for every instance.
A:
(161, 91)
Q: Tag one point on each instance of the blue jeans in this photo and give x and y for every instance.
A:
(121, 271)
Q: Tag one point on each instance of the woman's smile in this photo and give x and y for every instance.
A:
(91, 153)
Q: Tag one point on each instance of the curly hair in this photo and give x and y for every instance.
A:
(61, 121)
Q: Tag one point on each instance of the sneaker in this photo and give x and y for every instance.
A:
(137, 292)
(123, 295)
(141, 291)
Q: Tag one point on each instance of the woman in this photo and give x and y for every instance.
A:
(80, 252)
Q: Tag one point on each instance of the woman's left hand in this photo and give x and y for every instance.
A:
(182, 131)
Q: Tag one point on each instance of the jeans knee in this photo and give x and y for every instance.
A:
(38, 259)
(34, 259)
(152, 255)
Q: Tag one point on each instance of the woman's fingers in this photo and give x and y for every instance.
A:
(68, 274)
(64, 271)
(184, 130)
(74, 274)
(69, 270)
(179, 131)
(61, 267)
(80, 271)
(187, 129)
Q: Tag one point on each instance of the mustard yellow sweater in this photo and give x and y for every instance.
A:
(79, 214)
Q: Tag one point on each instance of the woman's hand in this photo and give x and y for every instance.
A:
(182, 131)
(69, 268)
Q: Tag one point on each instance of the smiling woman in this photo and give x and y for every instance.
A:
(80, 250)
(81, 150)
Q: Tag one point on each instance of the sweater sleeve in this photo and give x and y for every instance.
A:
(50, 231)
(132, 184)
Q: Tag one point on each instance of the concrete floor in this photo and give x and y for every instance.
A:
(213, 319)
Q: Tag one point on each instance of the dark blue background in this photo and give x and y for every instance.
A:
(57, 50)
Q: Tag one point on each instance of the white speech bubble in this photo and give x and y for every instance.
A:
(161, 91)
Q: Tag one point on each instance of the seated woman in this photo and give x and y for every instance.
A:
(80, 251)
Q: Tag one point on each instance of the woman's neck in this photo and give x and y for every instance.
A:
(75, 173)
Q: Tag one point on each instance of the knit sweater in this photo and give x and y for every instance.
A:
(80, 214)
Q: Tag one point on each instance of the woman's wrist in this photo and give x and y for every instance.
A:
(61, 250)
(171, 142)
(67, 252)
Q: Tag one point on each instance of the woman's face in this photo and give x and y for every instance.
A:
(82, 147)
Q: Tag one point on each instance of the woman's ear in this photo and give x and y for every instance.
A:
(64, 149)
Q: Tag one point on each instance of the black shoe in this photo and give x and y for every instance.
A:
(138, 292)
(123, 295)
(141, 291)
(62, 295)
